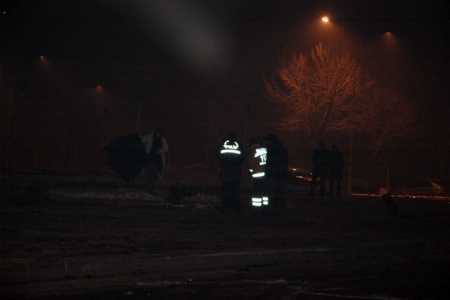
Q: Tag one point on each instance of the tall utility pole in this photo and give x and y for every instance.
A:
(352, 132)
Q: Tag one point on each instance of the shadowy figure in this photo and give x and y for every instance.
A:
(231, 157)
(276, 172)
(390, 204)
(257, 165)
(336, 164)
(156, 147)
(319, 162)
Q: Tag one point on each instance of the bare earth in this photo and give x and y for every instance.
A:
(140, 247)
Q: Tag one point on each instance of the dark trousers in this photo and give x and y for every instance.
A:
(332, 181)
(259, 191)
(153, 170)
(275, 187)
(230, 195)
(318, 174)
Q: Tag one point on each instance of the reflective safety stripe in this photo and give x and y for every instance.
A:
(265, 200)
(260, 151)
(230, 147)
(256, 202)
(230, 151)
(262, 154)
(260, 174)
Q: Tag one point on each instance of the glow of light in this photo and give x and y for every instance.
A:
(43, 61)
(191, 32)
(325, 19)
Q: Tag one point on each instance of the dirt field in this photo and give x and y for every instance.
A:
(317, 249)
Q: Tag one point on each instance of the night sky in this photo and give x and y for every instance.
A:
(196, 65)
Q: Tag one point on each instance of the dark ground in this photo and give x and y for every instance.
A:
(322, 248)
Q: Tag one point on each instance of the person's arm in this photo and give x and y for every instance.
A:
(165, 147)
(146, 142)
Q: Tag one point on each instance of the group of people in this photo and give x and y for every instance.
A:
(267, 161)
(327, 166)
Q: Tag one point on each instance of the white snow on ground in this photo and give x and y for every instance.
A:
(199, 200)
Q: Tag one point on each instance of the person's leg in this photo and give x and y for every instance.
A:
(257, 193)
(152, 176)
(322, 185)
(313, 183)
(338, 188)
(271, 192)
(264, 192)
(279, 204)
(225, 195)
(331, 186)
(235, 200)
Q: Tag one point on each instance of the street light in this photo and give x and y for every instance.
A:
(325, 19)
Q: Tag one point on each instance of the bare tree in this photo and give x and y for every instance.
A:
(387, 115)
(317, 93)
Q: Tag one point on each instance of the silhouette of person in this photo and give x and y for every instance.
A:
(257, 159)
(276, 172)
(156, 146)
(336, 164)
(319, 160)
(230, 154)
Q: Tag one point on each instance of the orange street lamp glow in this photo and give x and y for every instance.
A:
(325, 19)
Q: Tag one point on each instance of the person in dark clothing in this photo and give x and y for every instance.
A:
(156, 147)
(257, 165)
(319, 162)
(336, 164)
(230, 154)
(276, 172)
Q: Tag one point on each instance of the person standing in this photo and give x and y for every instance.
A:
(156, 147)
(276, 172)
(257, 165)
(319, 162)
(336, 164)
(231, 157)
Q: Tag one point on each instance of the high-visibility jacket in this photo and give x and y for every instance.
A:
(257, 160)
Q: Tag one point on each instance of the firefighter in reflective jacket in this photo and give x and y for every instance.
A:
(231, 157)
(257, 166)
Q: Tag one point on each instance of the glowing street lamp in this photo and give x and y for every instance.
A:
(325, 19)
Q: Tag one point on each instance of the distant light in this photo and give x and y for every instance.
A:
(325, 19)
(43, 61)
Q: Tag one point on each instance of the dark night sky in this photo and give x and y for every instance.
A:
(183, 58)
